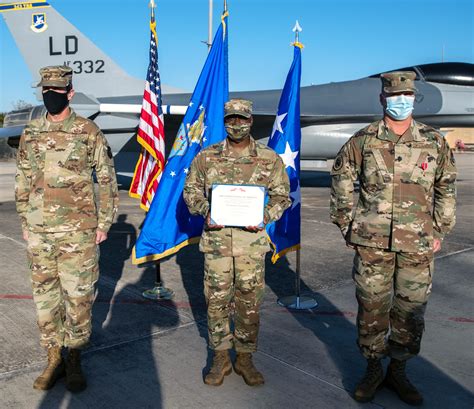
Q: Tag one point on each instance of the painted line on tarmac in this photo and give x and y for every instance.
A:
(454, 253)
(14, 241)
(34, 365)
(16, 297)
(287, 364)
(314, 207)
(352, 314)
(19, 371)
(138, 295)
(320, 222)
(173, 306)
(140, 338)
(461, 319)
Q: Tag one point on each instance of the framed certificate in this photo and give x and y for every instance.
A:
(237, 205)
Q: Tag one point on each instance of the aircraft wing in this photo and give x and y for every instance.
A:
(11, 132)
(330, 113)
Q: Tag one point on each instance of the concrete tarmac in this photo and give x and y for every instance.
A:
(148, 354)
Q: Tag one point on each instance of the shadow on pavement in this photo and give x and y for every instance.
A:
(120, 373)
(330, 326)
(191, 264)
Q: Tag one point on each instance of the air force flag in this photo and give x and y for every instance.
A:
(168, 225)
(285, 139)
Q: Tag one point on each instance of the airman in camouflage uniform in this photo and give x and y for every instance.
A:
(234, 257)
(56, 203)
(406, 206)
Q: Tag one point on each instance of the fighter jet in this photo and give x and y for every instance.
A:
(330, 113)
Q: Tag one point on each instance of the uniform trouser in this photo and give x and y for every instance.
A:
(64, 269)
(237, 282)
(392, 289)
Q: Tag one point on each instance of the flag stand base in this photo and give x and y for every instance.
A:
(294, 302)
(297, 302)
(158, 293)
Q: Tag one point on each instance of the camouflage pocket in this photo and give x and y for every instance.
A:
(77, 155)
(372, 175)
(36, 151)
(86, 256)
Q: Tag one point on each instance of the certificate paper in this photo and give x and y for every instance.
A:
(237, 205)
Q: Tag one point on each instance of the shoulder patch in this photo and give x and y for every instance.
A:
(338, 163)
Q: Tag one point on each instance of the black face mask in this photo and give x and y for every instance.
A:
(55, 102)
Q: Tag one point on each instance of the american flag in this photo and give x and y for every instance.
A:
(151, 134)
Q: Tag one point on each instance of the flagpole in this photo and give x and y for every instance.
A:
(298, 274)
(209, 33)
(158, 292)
(297, 302)
(152, 7)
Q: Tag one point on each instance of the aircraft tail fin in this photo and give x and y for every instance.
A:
(44, 37)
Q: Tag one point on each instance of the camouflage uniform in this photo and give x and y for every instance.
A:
(407, 198)
(56, 203)
(234, 258)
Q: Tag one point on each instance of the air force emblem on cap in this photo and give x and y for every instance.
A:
(39, 22)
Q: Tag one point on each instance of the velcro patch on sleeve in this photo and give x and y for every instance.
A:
(338, 163)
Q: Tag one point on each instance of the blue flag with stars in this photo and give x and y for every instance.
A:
(168, 225)
(285, 140)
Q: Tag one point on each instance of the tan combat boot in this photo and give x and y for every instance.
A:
(245, 368)
(397, 380)
(372, 380)
(221, 366)
(52, 372)
(75, 380)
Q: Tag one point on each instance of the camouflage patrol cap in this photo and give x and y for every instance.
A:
(241, 107)
(55, 76)
(398, 81)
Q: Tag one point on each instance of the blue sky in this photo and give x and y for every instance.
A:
(344, 39)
